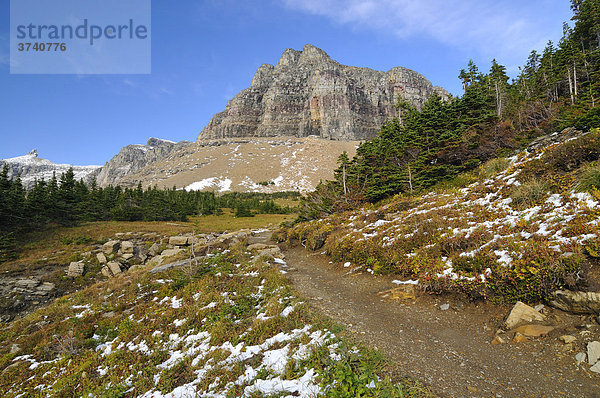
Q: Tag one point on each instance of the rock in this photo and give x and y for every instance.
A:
(593, 352)
(580, 357)
(577, 302)
(168, 266)
(114, 267)
(539, 307)
(445, 307)
(522, 313)
(15, 348)
(76, 269)
(473, 389)
(568, 339)
(127, 256)
(271, 252)
(497, 340)
(534, 330)
(28, 284)
(170, 252)
(308, 93)
(519, 338)
(106, 271)
(135, 157)
(256, 247)
(154, 250)
(567, 347)
(402, 292)
(127, 247)
(44, 289)
(110, 247)
(101, 258)
(179, 240)
(596, 368)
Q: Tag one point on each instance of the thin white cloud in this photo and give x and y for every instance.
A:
(507, 30)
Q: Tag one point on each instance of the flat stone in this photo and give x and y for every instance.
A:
(110, 247)
(179, 240)
(101, 258)
(593, 352)
(568, 339)
(76, 269)
(114, 267)
(577, 302)
(46, 286)
(445, 307)
(272, 252)
(127, 256)
(596, 367)
(27, 283)
(520, 313)
(127, 247)
(534, 330)
(168, 266)
(257, 246)
(580, 357)
(170, 252)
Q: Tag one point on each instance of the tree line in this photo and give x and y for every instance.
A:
(66, 201)
(555, 89)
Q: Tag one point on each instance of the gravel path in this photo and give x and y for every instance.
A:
(448, 350)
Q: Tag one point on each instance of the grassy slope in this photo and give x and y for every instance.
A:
(228, 327)
(515, 230)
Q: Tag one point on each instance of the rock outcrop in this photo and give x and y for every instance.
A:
(30, 168)
(308, 93)
(135, 157)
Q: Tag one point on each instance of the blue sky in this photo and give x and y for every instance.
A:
(204, 52)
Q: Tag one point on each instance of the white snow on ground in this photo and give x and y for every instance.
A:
(222, 184)
(200, 185)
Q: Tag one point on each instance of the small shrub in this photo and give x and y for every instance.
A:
(589, 178)
(529, 194)
(491, 167)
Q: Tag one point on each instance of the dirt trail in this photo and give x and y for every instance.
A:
(448, 350)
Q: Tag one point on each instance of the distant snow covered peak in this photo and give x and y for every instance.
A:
(30, 168)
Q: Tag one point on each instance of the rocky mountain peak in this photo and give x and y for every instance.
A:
(33, 153)
(308, 93)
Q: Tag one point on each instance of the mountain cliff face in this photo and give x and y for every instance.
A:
(308, 93)
(135, 157)
(30, 167)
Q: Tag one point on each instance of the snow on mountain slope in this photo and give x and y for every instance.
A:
(30, 167)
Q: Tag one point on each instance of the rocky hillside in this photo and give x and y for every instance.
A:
(519, 228)
(243, 164)
(308, 93)
(30, 167)
(186, 316)
(135, 157)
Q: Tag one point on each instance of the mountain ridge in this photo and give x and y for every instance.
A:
(308, 93)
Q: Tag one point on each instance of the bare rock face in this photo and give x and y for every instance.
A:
(308, 93)
(577, 302)
(135, 157)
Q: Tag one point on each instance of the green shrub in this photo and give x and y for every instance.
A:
(491, 167)
(589, 178)
(529, 194)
